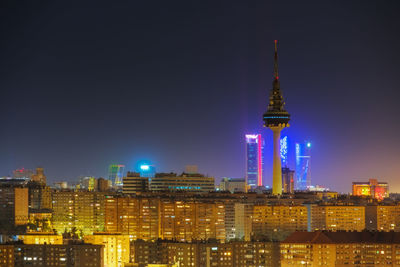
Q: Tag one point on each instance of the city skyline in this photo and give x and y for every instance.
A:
(82, 90)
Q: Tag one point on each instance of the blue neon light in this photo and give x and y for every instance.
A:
(284, 149)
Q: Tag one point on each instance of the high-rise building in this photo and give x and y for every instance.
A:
(254, 160)
(149, 218)
(115, 173)
(276, 118)
(303, 165)
(372, 188)
(39, 176)
(287, 180)
(83, 211)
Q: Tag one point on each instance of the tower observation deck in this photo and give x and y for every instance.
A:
(276, 118)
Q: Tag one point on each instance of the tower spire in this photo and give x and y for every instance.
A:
(276, 118)
(276, 73)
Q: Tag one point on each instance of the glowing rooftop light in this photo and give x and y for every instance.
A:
(144, 167)
(308, 144)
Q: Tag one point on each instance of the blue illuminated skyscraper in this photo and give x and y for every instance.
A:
(303, 164)
(147, 170)
(254, 160)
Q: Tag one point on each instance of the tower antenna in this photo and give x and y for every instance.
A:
(276, 73)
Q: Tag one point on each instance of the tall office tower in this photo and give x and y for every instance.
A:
(284, 148)
(39, 176)
(254, 162)
(276, 118)
(115, 173)
(303, 171)
(287, 180)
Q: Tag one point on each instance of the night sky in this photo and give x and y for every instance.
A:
(181, 82)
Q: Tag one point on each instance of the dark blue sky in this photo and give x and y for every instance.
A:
(179, 82)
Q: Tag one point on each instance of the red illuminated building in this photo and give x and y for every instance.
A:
(373, 188)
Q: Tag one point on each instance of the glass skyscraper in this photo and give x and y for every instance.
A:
(303, 164)
(115, 173)
(254, 161)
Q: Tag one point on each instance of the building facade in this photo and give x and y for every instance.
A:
(14, 206)
(276, 222)
(82, 210)
(233, 185)
(341, 249)
(134, 183)
(287, 180)
(115, 247)
(184, 182)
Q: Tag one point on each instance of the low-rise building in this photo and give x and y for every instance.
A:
(184, 254)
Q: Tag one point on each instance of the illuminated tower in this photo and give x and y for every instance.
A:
(254, 160)
(115, 173)
(276, 118)
(303, 164)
